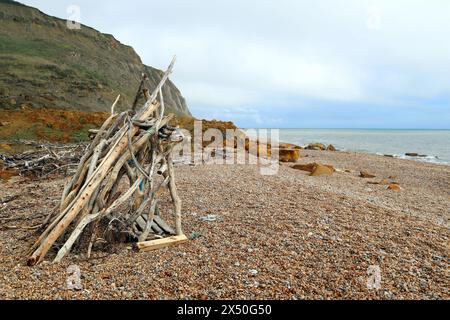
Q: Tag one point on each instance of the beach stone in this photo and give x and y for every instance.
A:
(289, 146)
(253, 272)
(331, 148)
(366, 175)
(383, 182)
(394, 187)
(310, 167)
(316, 146)
(412, 154)
(209, 218)
(322, 170)
(289, 155)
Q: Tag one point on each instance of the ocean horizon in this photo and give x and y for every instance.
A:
(432, 145)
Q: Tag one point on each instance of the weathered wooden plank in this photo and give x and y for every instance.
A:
(161, 243)
(142, 223)
(163, 225)
(156, 228)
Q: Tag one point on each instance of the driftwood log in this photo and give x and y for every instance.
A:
(44, 159)
(136, 145)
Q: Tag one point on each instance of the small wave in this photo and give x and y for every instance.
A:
(429, 159)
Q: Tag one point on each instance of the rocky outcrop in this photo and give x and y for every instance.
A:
(316, 169)
(316, 146)
(310, 167)
(320, 147)
(331, 148)
(394, 187)
(289, 146)
(415, 155)
(366, 175)
(322, 170)
(289, 155)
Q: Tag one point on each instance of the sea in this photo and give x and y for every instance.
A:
(432, 145)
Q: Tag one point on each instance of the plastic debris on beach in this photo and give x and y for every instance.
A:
(209, 218)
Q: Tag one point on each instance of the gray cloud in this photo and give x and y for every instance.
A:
(249, 55)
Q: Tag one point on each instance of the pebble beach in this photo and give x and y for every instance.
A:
(288, 236)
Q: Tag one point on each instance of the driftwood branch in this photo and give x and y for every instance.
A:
(137, 146)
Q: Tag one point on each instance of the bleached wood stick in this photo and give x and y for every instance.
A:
(138, 93)
(113, 131)
(90, 218)
(86, 156)
(92, 239)
(153, 130)
(113, 107)
(150, 218)
(162, 169)
(81, 192)
(116, 185)
(96, 155)
(75, 187)
(146, 201)
(145, 125)
(174, 194)
(131, 173)
(120, 164)
(92, 183)
(161, 243)
(158, 87)
(163, 225)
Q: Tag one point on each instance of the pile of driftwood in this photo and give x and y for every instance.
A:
(117, 182)
(44, 159)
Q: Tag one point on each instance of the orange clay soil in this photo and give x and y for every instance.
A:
(52, 125)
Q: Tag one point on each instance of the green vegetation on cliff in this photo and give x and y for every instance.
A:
(44, 64)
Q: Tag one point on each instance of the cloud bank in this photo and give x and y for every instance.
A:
(326, 63)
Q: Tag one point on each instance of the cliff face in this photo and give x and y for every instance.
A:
(44, 64)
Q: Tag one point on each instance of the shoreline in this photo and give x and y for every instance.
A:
(398, 157)
(419, 145)
(418, 158)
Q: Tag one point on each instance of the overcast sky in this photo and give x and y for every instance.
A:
(292, 64)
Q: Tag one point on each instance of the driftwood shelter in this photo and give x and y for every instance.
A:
(138, 145)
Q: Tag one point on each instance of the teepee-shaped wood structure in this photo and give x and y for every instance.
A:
(137, 144)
